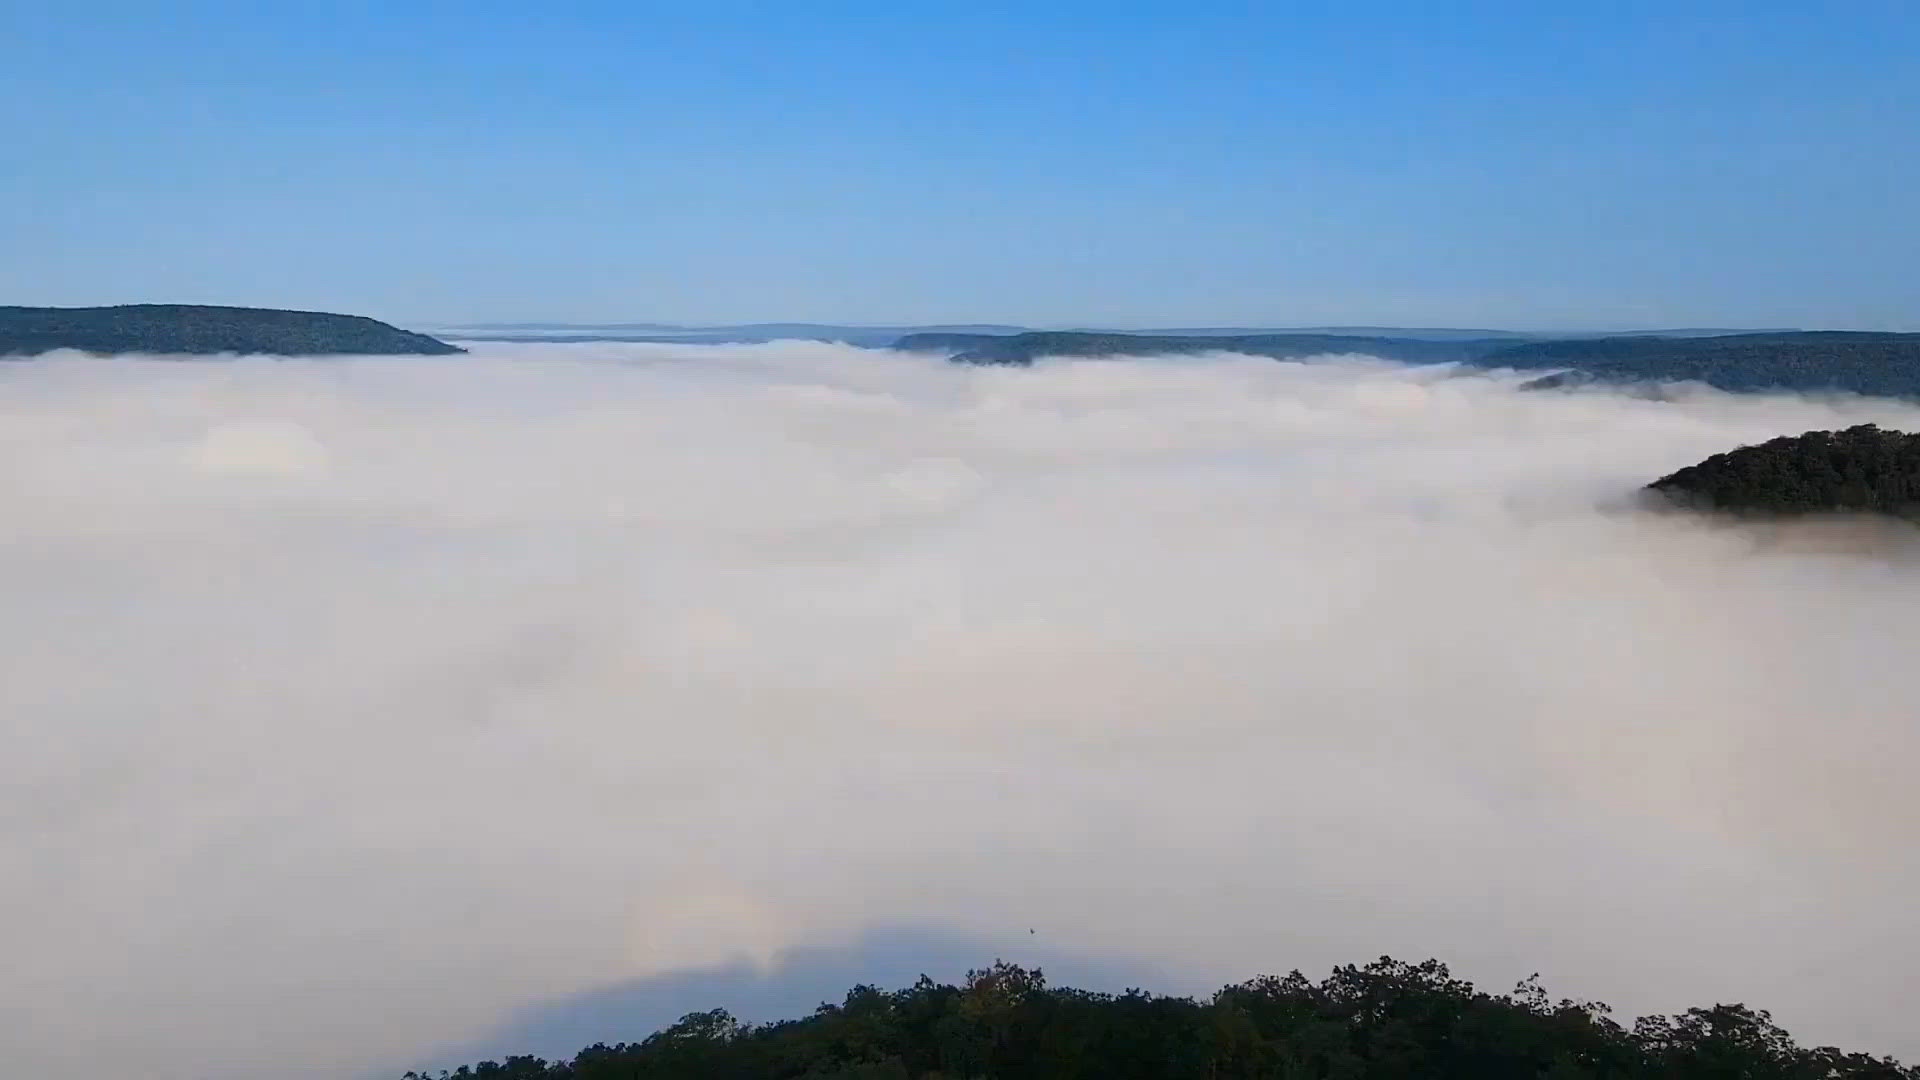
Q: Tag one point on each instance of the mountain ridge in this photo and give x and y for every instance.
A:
(206, 330)
(1874, 363)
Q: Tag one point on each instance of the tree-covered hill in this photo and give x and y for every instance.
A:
(1863, 469)
(1385, 1021)
(1877, 364)
(1881, 365)
(196, 330)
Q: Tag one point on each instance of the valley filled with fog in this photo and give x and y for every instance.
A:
(355, 706)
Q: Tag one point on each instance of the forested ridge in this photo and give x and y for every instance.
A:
(201, 330)
(1864, 469)
(1885, 365)
(1385, 1021)
(1878, 364)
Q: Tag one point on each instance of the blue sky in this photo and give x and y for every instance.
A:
(1491, 164)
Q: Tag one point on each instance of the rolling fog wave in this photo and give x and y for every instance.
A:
(351, 705)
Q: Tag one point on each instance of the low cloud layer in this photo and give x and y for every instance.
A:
(352, 705)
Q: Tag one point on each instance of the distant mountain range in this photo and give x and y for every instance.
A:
(884, 336)
(867, 337)
(786, 329)
(1878, 364)
(197, 330)
(1881, 365)
(1022, 349)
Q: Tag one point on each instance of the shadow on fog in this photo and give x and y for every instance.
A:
(887, 955)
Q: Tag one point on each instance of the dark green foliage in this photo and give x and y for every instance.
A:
(1863, 469)
(1023, 349)
(1385, 1021)
(1882, 365)
(194, 330)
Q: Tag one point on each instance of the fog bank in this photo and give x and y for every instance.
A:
(353, 705)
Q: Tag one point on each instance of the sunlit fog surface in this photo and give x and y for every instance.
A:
(352, 705)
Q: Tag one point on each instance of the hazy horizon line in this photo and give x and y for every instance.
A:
(1094, 327)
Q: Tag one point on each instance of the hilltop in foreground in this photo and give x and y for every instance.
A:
(1863, 469)
(1388, 1019)
(196, 330)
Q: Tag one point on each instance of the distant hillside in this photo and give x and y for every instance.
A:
(954, 344)
(1876, 364)
(788, 329)
(1023, 349)
(866, 337)
(191, 329)
(1864, 469)
(1882, 365)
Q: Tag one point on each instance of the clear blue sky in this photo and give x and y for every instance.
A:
(1508, 164)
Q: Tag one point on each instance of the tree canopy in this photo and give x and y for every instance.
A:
(1388, 1020)
(1863, 469)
